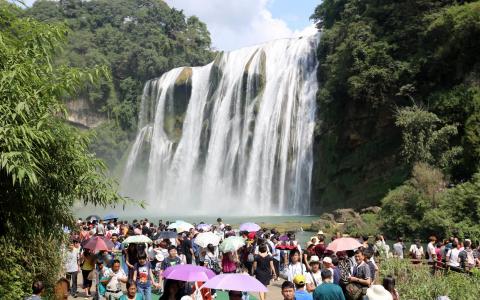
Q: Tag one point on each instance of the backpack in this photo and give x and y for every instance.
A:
(355, 291)
(470, 259)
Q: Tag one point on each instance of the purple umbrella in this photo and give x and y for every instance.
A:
(250, 227)
(283, 238)
(188, 273)
(236, 282)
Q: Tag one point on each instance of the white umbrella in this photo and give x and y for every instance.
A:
(205, 238)
(180, 226)
(137, 239)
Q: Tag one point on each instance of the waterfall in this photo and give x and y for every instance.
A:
(232, 137)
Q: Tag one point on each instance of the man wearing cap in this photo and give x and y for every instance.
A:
(328, 264)
(314, 277)
(328, 290)
(300, 292)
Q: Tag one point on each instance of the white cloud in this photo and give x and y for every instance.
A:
(238, 23)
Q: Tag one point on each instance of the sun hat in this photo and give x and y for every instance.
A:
(320, 232)
(378, 292)
(314, 259)
(251, 235)
(299, 279)
(327, 260)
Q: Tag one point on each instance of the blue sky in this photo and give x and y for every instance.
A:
(238, 23)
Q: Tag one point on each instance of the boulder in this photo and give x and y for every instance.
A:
(322, 224)
(345, 215)
(371, 210)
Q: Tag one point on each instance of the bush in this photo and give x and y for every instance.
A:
(416, 282)
(21, 265)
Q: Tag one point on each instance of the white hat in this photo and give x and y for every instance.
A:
(378, 292)
(314, 259)
(327, 260)
(320, 232)
(159, 257)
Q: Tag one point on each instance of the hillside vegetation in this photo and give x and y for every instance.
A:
(138, 40)
(400, 109)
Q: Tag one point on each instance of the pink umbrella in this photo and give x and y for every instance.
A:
(235, 282)
(96, 244)
(344, 244)
(188, 273)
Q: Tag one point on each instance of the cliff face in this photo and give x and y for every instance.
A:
(82, 113)
(355, 159)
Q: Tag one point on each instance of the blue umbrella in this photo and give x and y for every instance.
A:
(111, 216)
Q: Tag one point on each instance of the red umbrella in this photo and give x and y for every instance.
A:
(344, 244)
(97, 243)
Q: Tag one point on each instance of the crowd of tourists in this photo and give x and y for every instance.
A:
(314, 271)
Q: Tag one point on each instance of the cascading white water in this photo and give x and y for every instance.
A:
(232, 137)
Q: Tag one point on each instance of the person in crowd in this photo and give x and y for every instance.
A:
(38, 289)
(295, 266)
(313, 277)
(321, 246)
(131, 292)
(143, 276)
(87, 267)
(62, 289)
(131, 259)
(187, 248)
(211, 261)
(171, 260)
(361, 272)
(399, 248)
(288, 290)
(345, 265)
(432, 254)
(229, 262)
(373, 267)
(328, 290)
(276, 254)
(100, 228)
(389, 285)
(416, 250)
(381, 248)
(173, 290)
(72, 266)
(453, 260)
(300, 292)
(114, 278)
(102, 279)
(467, 259)
(476, 254)
(328, 264)
(235, 295)
(263, 268)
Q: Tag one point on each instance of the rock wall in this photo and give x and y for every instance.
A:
(84, 114)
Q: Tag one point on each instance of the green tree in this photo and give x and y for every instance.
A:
(45, 164)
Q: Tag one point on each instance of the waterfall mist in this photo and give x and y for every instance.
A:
(233, 137)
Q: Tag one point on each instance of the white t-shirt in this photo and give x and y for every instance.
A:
(71, 260)
(430, 251)
(452, 255)
(100, 229)
(418, 252)
(309, 278)
(294, 269)
(114, 284)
